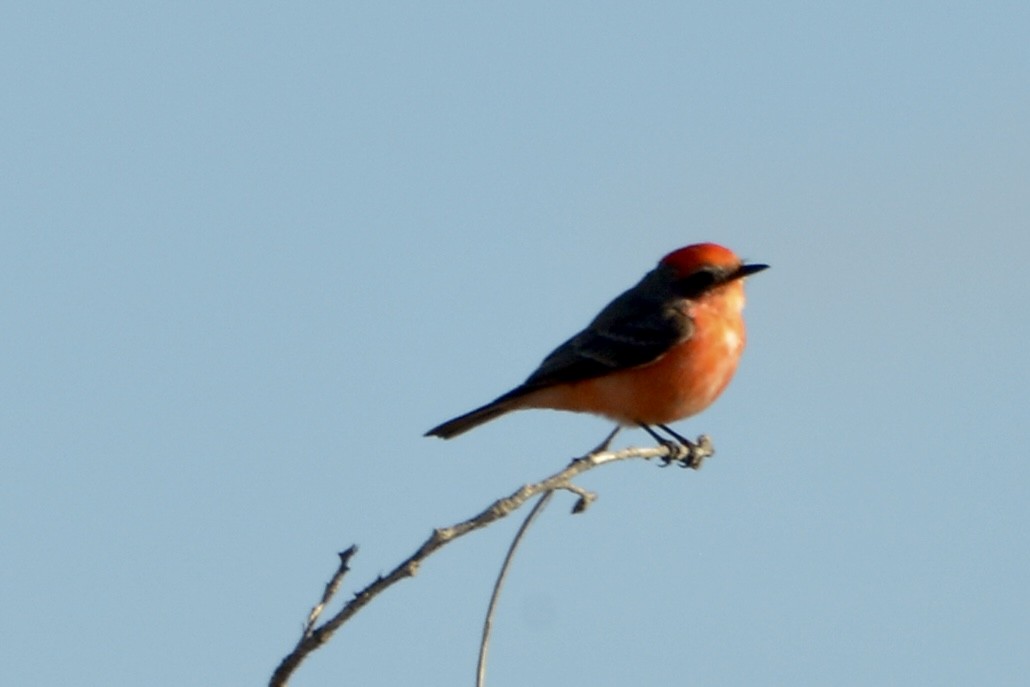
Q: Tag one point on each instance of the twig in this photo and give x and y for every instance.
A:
(330, 588)
(484, 644)
(314, 637)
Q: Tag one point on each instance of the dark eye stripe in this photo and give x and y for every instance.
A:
(696, 283)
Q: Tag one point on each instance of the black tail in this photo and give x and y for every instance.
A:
(463, 423)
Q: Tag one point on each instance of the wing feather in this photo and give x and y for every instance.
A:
(635, 329)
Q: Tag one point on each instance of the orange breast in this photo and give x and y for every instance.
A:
(681, 383)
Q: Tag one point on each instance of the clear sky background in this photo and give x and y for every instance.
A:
(250, 252)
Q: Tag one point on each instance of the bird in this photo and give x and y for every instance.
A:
(662, 351)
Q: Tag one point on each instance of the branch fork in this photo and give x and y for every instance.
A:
(686, 454)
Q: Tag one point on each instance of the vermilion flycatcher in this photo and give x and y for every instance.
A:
(660, 352)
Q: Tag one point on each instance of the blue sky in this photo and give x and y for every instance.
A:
(250, 252)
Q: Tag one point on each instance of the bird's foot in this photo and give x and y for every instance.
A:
(696, 453)
(686, 453)
(676, 452)
(682, 450)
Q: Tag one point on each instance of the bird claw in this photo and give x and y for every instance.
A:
(693, 459)
(674, 449)
(686, 454)
(697, 453)
(689, 456)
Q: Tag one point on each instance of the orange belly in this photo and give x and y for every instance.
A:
(682, 382)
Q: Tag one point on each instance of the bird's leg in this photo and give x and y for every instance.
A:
(677, 436)
(676, 448)
(694, 456)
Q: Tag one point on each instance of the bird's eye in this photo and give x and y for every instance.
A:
(696, 283)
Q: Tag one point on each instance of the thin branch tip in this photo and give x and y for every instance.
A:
(582, 503)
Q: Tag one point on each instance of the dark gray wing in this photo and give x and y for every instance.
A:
(636, 328)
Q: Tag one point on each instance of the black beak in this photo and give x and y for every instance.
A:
(708, 278)
(746, 271)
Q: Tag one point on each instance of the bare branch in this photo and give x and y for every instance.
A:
(314, 637)
(488, 622)
(330, 589)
